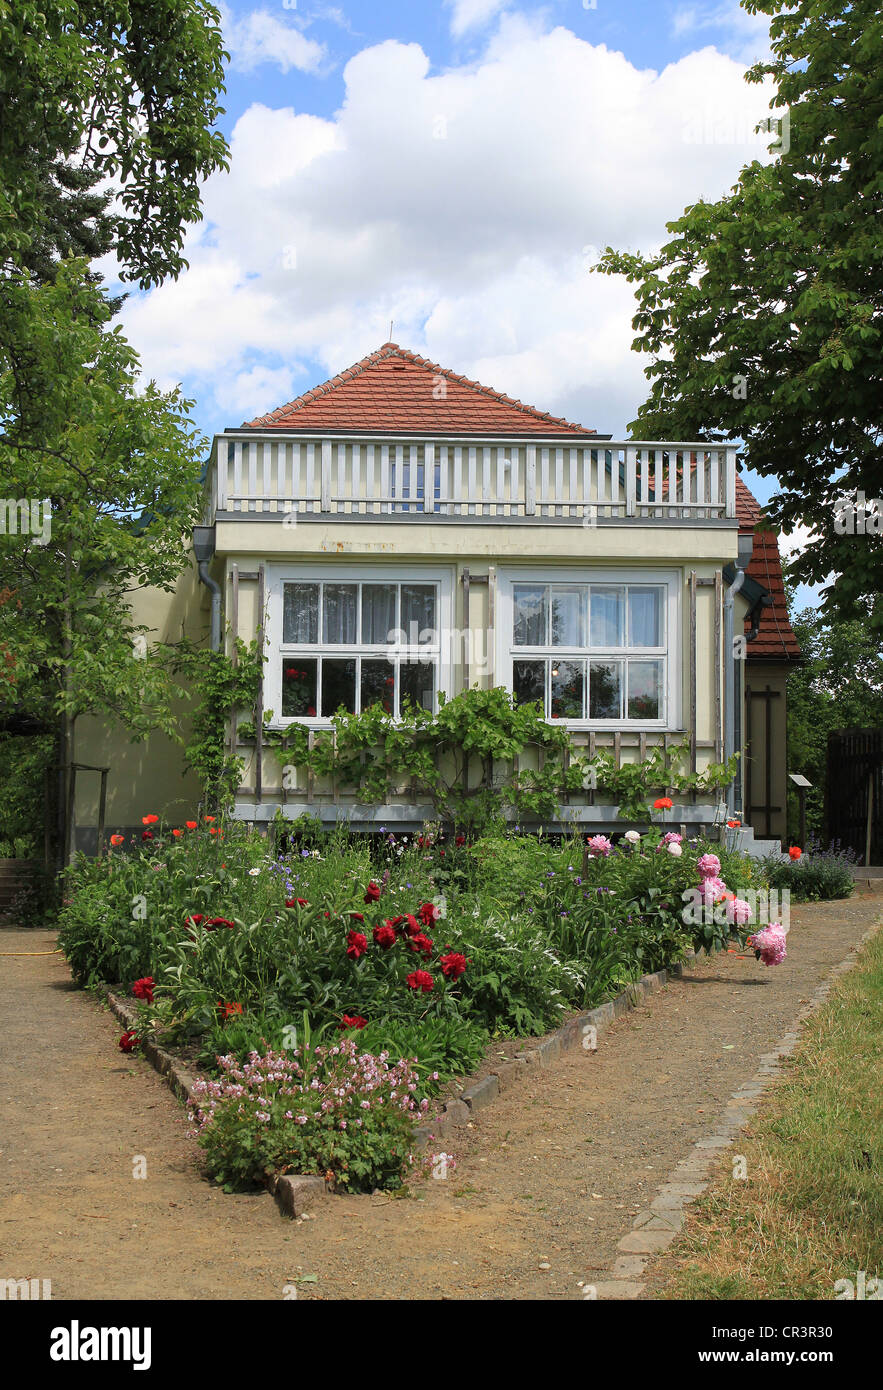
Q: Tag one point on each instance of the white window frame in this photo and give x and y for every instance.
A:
(365, 573)
(671, 580)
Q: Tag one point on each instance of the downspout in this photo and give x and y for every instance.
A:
(745, 549)
(204, 549)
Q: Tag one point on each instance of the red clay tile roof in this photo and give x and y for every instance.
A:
(775, 641)
(394, 390)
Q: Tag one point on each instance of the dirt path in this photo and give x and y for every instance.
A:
(549, 1176)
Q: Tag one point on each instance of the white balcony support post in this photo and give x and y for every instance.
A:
(731, 482)
(631, 479)
(326, 476)
(530, 481)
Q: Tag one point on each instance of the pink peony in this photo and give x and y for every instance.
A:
(769, 944)
(739, 911)
(709, 865)
(599, 844)
(712, 888)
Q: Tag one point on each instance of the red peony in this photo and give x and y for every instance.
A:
(385, 936)
(412, 926)
(460, 841)
(356, 944)
(372, 893)
(356, 916)
(429, 913)
(146, 834)
(218, 922)
(352, 1021)
(420, 979)
(422, 944)
(453, 965)
(195, 917)
(143, 989)
(128, 1042)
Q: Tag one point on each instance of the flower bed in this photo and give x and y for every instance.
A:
(379, 957)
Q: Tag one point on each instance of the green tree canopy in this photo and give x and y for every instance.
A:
(764, 311)
(120, 90)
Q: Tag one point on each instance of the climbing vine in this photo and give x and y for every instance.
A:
(463, 760)
(219, 685)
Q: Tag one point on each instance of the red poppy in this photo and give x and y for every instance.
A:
(422, 980)
(663, 803)
(372, 893)
(213, 830)
(210, 819)
(453, 965)
(794, 853)
(191, 824)
(734, 825)
(385, 936)
(356, 945)
(296, 902)
(351, 1021)
(143, 989)
(116, 839)
(128, 1042)
(146, 834)
(149, 820)
(229, 1010)
(177, 833)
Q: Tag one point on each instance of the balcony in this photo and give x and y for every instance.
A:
(470, 481)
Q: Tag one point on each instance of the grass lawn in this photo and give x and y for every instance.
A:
(810, 1211)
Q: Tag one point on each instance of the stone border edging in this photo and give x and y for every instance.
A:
(294, 1193)
(655, 1229)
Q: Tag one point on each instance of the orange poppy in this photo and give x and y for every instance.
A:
(149, 820)
(116, 839)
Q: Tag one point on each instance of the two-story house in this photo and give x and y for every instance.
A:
(400, 531)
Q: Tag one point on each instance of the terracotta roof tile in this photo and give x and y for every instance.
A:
(395, 390)
(775, 639)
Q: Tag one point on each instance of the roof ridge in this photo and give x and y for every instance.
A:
(391, 349)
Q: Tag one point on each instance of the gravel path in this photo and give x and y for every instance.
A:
(546, 1180)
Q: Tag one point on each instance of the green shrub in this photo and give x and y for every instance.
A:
(813, 878)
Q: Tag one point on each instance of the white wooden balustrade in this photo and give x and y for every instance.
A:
(312, 476)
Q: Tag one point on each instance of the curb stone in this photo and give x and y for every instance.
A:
(684, 1182)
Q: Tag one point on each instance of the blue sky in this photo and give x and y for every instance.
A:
(454, 166)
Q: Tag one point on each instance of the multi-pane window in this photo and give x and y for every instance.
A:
(348, 645)
(590, 651)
